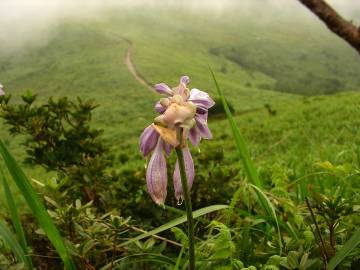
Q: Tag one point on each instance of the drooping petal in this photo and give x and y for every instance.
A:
(2, 93)
(156, 175)
(148, 140)
(182, 91)
(201, 109)
(163, 89)
(202, 116)
(189, 170)
(194, 136)
(167, 134)
(167, 148)
(159, 108)
(201, 98)
(203, 128)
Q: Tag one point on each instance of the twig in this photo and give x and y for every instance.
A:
(335, 22)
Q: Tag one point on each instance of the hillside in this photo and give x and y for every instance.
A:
(253, 65)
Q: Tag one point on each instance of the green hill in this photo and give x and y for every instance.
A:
(256, 62)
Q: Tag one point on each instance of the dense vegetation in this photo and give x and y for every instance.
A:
(304, 145)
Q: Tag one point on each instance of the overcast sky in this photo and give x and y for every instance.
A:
(24, 19)
(16, 9)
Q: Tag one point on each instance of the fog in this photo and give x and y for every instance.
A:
(23, 21)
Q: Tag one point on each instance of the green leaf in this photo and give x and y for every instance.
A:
(180, 235)
(293, 260)
(36, 206)
(239, 140)
(10, 239)
(233, 202)
(352, 243)
(304, 261)
(222, 246)
(175, 222)
(178, 261)
(16, 220)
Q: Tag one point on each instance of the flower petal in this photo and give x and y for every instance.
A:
(181, 90)
(168, 135)
(200, 98)
(156, 175)
(203, 128)
(148, 140)
(194, 136)
(200, 109)
(177, 114)
(167, 148)
(159, 108)
(202, 116)
(163, 89)
(2, 93)
(189, 170)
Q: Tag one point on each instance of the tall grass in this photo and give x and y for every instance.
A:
(37, 207)
(249, 165)
(15, 218)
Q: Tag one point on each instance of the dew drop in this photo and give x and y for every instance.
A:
(180, 202)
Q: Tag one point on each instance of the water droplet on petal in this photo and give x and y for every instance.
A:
(180, 202)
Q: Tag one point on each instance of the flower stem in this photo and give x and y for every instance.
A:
(188, 206)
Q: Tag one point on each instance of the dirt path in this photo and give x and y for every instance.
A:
(128, 60)
(132, 68)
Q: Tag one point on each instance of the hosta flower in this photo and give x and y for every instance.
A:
(180, 110)
(2, 90)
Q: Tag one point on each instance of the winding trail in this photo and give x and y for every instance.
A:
(141, 79)
(132, 68)
(128, 60)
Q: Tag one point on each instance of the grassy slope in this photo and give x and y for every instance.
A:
(87, 60)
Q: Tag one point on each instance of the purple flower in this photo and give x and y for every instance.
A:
(179, 108)
(2, 93)
(200, 99)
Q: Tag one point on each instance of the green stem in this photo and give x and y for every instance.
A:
(187, 199)
(322, 246)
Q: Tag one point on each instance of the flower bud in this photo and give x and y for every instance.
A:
(165, 102)
(177, 99)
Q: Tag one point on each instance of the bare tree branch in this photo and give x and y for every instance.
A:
(337, 24)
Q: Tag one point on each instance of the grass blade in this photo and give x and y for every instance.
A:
(175, 222)
(36, 206)
(143, 257)
(239, 140)
(270, 209)
(250, 168)
(352, 243)
(16, 220)
(10, 239)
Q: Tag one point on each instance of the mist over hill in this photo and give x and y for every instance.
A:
(22, 21)
(279, 40)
